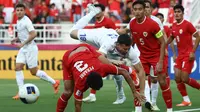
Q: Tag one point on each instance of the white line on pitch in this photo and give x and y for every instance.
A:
(187, 110)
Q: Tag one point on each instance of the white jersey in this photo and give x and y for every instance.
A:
(24, 26)
(157, 20)
(105, 39)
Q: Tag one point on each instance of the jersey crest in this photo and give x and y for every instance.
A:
(145, 34)
(180, 31)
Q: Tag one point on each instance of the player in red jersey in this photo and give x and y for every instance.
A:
(183, 31)
(102, 20)
(149, 38)
(83, 67)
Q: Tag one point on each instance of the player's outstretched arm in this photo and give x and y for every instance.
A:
(159, 66)
(197, 36)
(141, 73)
(78, 105)
(128, 79)
(122, 31)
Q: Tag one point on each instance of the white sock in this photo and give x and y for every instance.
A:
(169, 110)
(154, 92)
(147, 91)
(43, 75)
(81, 23)
(138, 109)
(118, 83)
(19, 78)
(186, 99)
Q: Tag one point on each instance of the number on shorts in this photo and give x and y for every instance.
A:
(183, 64)
(177, 38)
(141, 41)
(80, 66)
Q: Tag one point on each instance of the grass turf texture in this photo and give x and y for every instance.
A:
(105, 97)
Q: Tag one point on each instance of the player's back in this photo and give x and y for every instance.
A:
(105, 22)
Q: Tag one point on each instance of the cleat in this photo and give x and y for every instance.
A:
(184, 103)
(93, 9)
(16, 97)
(155, 108)
(120, 101)
(148, 106)
(135, 78)
(89, 99)
(56, 86)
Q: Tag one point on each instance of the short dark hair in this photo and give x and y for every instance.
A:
(101, 6)
(150, 3)
(20, 5)
(159, 14)
(178, 6)
(94, 81)
(124, 39)
(138, 2)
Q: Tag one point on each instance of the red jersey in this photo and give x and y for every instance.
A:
(183, 33)
(105, 22)
(144, 35)
(167, 31)
(80, 65)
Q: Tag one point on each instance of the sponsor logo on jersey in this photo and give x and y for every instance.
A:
(145, 34)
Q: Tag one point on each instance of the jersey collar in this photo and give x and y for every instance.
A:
(181, 22)
(143, 20)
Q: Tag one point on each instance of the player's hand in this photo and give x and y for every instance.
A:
(13, 41)
(174, 58)
(117, 62)
(159, 66)
(139, 97)
(20, 45)
(191, 56)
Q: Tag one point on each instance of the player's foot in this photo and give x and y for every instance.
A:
(169, 110)
(16, 97)
(135, 78)
(89, 99)
(120, 101)
(93, 9)
(56, 86)
(184, 103)
(148, 106)
(155, 108)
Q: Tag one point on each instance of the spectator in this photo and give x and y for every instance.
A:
(53, 14)
(76, 10)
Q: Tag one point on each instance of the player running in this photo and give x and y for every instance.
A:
(183, 31)
(28, 51)
(83, 67)
(113, 46)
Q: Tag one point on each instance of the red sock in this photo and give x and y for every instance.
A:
(62, 103)
(168, 80)
(93, 91)
(167, 95)
(182, 89)
(193, 83)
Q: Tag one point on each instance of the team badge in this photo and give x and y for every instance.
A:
(145, 34)
(180, 31)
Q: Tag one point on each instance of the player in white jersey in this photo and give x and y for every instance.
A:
(28, 51)
(109, 44)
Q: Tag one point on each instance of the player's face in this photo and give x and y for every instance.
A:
(138, 11)
(20, 11)
(147, 9)
(161, 18)
(122, 48)
(178, 14)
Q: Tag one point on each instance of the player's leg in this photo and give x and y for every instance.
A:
(182, 88)
(63, 99)
(20, 62)
(119, 89)
(84, 21)
(32, 62)
(91, 98)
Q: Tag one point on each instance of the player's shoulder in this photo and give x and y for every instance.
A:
(132, 19)
(154, 18)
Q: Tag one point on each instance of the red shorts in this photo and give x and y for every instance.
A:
(184, 64)
(147, 63)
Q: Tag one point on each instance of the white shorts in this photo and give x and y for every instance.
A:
(28, 56)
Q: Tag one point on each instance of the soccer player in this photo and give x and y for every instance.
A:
(83, 67)
(149, 39)
(111, 45)
(183, 31)
(28, 51)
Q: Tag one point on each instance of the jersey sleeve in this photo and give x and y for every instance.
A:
(109, 69)
(133, 56)
(156, 30)
(191, 29)
(29, 25)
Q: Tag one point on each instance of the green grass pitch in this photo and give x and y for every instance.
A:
(105, 97)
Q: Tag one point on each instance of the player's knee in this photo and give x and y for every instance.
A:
(18, 68)
(33, 71)
(162, 82)
(68, 93)
(184, 80)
